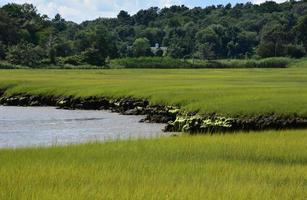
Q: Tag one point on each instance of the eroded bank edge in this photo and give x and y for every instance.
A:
(176, 120)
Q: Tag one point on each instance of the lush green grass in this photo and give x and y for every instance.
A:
(226, 91)
(272, 165)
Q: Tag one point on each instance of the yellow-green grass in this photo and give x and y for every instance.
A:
(225, 91)
(271, 165)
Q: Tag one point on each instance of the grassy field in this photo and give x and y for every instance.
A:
(268, 165)
(272, 165)
(225, 91)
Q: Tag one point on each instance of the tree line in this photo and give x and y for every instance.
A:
(214, 32)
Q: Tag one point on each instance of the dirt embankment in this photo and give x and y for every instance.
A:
(176, 120)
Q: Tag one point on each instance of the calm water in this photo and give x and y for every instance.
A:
(43, 126)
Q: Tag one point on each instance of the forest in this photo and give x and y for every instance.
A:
(240, 31)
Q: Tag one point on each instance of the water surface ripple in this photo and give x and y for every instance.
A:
(45, 126)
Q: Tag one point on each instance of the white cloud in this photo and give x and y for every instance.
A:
(168, 3)
(262, 1)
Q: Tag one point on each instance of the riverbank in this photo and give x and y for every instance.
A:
(271, 165)
(189, 100)
(177, 121)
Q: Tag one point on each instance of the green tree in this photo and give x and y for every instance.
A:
(233, 49)
(204, 51)
(93, 56)
(63, 49)
(124, 18)
(301, 31)
(295, 51)
(175, 50)
(28, 21)
(26, 54)
(59, 23)
(51, 52)
(141, 47)
(272, 41)
(154, 35)
(268, 29)
(144, 17)
(8, 29)
(247, 40)
(214, 35)
(2, 51)
(101, 47)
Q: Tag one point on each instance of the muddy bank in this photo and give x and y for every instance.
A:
(216, 124)
(177, 121)
(125, 106)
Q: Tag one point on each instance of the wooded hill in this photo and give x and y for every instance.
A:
(215, 32)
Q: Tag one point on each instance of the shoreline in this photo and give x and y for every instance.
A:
(176, 120)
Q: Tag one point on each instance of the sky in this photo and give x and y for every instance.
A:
(81, 10)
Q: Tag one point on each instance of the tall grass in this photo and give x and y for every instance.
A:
(225, 91)
(7, 65)
(272, 165)
(167, 63)
(299, 63)
(170, 63)
(277, 62)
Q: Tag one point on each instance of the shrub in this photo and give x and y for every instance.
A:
(72, 60)
(94, 56)
(25, 54)
(7, 65)
(295, 51)
(266, 49)
(167, 62)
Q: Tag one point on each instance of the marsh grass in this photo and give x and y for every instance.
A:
(7, 65)
(299, 63)
(267, 165)
(271, 165)
(225, 91)
(171, 63)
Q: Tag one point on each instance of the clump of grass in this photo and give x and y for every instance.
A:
(276, 62)
(271, 165)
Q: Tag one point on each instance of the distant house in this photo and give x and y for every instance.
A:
(157, 50)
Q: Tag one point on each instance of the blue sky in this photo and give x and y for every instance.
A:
(80, 10)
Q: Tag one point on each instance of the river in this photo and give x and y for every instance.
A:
(46, 126)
